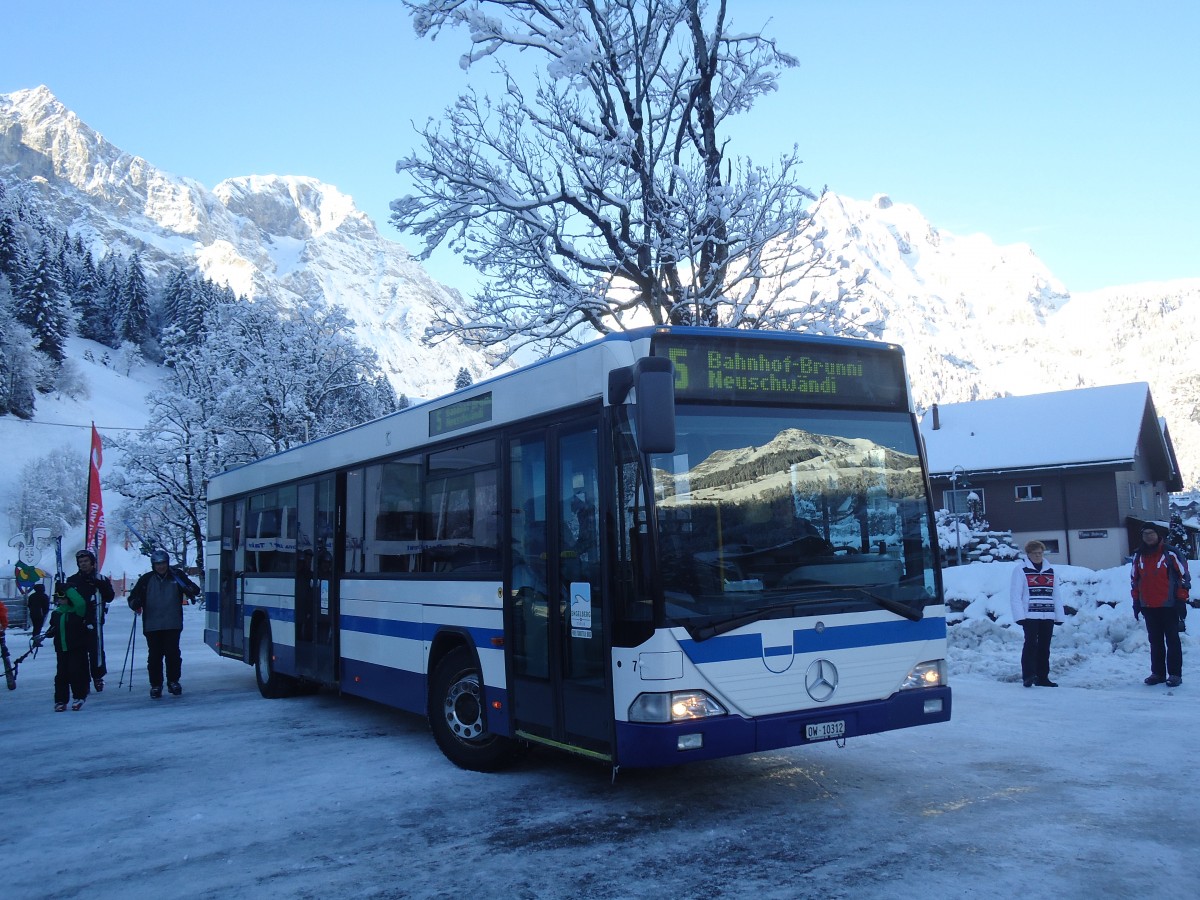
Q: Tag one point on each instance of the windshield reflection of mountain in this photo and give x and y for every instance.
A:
(750, 518)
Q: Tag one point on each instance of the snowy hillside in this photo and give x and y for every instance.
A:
(288, 237)
(116, 403)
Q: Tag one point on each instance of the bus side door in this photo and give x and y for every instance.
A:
(316, 583)
(556, 622)
(231, 582)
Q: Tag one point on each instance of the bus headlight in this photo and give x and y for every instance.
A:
(931, 673)
(679, 706)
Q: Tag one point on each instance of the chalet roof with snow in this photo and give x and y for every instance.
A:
(1099, 427)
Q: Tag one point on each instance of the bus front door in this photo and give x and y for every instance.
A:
(561, 693)
(316, 586)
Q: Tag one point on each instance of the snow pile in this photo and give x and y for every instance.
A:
(1100, 643)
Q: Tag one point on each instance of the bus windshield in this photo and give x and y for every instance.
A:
(767, 513)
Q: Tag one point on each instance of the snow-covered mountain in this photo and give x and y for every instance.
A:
(977, 320)
(287, 237)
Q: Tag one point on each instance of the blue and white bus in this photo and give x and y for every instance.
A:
(670, 544)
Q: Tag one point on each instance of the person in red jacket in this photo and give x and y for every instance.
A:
(1159, 584)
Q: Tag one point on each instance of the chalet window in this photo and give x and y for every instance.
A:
(964, 502)
(1027, 492)
(1051, 544)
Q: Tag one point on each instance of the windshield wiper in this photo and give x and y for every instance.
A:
(912, 613)
(720, 626)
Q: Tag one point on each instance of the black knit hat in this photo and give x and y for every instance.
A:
(88, 553)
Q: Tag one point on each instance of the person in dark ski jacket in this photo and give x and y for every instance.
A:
(39, 608)
(158, 597)
(1037, 607)
(1159, 584)
(69, 634)
(95, 589)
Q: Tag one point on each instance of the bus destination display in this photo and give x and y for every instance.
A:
(763, 371)
(462, 414)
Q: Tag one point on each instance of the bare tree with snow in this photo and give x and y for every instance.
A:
(261, 380)
(596, 194)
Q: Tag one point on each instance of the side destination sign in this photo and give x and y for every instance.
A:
(725, 370)
(462, 414)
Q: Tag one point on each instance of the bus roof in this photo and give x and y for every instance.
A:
(566, 380)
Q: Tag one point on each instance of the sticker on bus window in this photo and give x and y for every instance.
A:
(581, 607)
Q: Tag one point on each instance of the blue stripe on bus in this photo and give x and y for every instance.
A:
(418, 631)
(274, 613)
(397, 628)
(729, 648)
(387, 627)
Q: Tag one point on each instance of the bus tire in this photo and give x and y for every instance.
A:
(271, 684)
(456, 715)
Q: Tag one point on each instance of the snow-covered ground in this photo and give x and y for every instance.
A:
(116, 403)
(1081, 791)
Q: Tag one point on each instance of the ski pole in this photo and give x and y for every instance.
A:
(128, 652)
(34, 646)
(133, 655)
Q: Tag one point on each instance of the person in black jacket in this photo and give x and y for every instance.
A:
(39, 608)
(95, 589)
(158, 597)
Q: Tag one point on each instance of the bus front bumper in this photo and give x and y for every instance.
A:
(648, 745)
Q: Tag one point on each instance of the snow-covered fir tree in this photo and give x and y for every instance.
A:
(43, 306)
(135, 303)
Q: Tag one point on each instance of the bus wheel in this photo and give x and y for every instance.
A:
(456, 715)
(271, 684)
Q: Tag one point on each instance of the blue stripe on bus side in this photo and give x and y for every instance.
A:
(749, 646)
(417, 631)
(274, 613)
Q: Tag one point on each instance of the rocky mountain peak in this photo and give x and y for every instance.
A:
(286, 237)
(292, 206)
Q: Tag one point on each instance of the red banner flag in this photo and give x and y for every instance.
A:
(95, 537)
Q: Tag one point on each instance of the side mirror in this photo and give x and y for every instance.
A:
(653, 382)
(654, 412)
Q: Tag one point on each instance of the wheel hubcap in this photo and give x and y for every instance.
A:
(464, 709)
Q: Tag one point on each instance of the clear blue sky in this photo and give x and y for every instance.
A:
(1071, 125)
